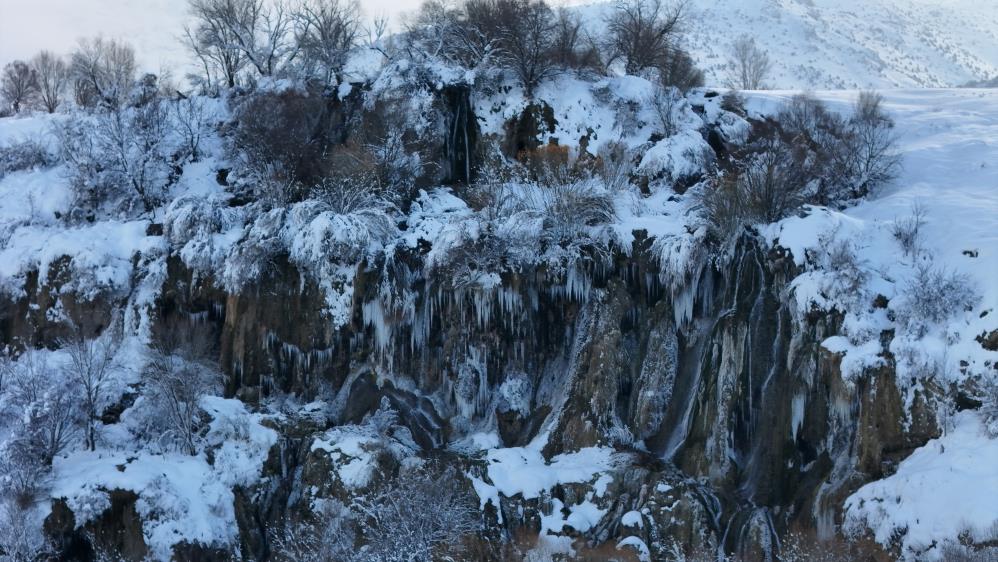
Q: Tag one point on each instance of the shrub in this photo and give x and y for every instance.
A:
(24, 155)
(118, 159)
(908, 230)
(933, 295)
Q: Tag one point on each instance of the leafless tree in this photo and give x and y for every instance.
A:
(750, 65)
(103, 72)
(191, 121)
(572, 48)
(213, 44)
(178, 375)
(257, 31)
(874, 155)
(90, 368)
(643, 33)
(18, 84)
(326, 32)
(53, 79)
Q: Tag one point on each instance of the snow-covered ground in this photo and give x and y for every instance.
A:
(832, 44)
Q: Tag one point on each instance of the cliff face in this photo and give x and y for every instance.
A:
(746, 419)
(646, 385)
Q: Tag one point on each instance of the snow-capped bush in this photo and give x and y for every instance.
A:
(908, 230)
(20, 539)
(24, 155)
(420, 513)
(516, 394)
(43, 419)
(118, 159)
(933, 295)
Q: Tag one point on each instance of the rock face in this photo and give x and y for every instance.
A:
(741, 410)
(735, 425)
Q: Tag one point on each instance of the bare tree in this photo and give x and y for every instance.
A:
(191, 121)
(53, 78)
(257, 31)
(18, 84)
(643, 33)
(326, 32)
(874, 156)
(178, 375)
(572, 47)
(750, 65)
(213, 43)
(103, 72)
(90, 368)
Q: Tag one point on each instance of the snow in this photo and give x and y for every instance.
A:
(943, 491)
(949, 142)
(633, 519)
(182, 498)
(523, 470)
(636, 545)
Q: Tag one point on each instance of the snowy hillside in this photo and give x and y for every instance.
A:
(846, 44)
(832, 44)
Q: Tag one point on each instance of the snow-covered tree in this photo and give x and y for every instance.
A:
(43, 419)
(90, 368)
(326, 32)
(176, 377)
(102, 72)
(118, 158)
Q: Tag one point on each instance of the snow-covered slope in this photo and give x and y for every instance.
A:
(846, 44)
(826, 44)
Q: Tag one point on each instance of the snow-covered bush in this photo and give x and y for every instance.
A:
(516, 394)
(43, 420)
(330, 535)
(20, 538)
(908, 230)
(933, 295)
(118, 159)
(420, 515)
(24, 155)
(191, 120)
